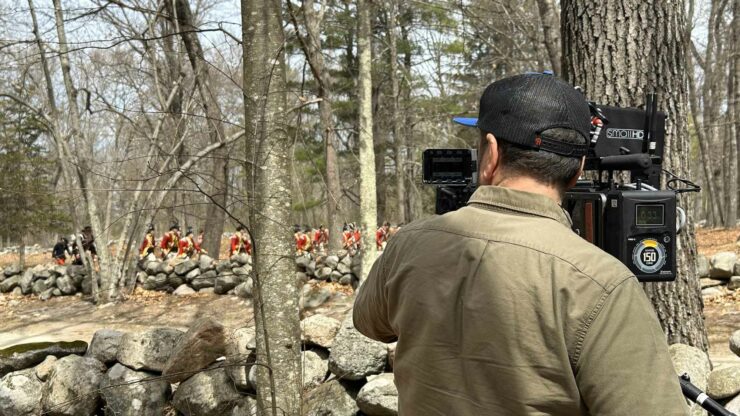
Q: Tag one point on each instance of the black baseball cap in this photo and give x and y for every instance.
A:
(519, 109)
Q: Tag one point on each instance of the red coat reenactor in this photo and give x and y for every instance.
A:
(188, 247)
(381, 236)
(302, 241)
(357, 236)
(170, 241)
(240, 242)
(320, 238)
(147, 246)
(348, 237)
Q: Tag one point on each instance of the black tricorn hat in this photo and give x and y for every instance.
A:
(239, 228)
(150, 227)
(175, 226)
(189, 231)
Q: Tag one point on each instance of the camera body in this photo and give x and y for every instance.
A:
(634, 221)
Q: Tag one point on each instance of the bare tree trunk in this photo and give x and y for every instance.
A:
(643, 58)
(734, 111)
(215, 212)
(551, 32)
(276, 290)
(85, 146)
(368, 202)
(412, 202)
(312, 49)
(399, 141)
(22, 253)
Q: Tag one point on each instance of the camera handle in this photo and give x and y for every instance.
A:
(695, 394)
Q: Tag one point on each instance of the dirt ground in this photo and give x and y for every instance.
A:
(26, 319)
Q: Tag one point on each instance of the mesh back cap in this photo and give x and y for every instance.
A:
(519, 108)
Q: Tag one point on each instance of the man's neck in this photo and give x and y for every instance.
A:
(526, 184)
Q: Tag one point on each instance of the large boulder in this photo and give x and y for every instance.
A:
(155, 282)
(241, 258)
(66, 285)
(323, 273)
(319, 330)
(39, 286)
(226, 282)
(240, 346)
(694, 362)
(44, 369)
(10, 283)
(104, 345)
(183, 290)
(315, 367)
(303, 261)
(208, 393)
(202, 282)
(206, 263)
(72, 389)
(224, 265)
(20, 393)
(733, 406)
(184, 267)
(153, 267)
(333, 398)
(343, 268)
(735, 342)
(192, 275)
(197, 349)
(245, 289)
(247, 406)
(379, 397)
(724, 383)
(722, 265)
(734, 283)
(355, 356)
(242, 271)
(19, 357)
(313, 296)
(148, 350)
(27, 281)
(12, 270)
(331, 261)
(125, 397)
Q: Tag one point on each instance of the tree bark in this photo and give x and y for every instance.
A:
(734, 111)
(368, 202)
(219, 191)
(643, 57)
(412, 201)
(276, 290)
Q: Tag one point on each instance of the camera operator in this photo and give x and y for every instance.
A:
(499, 308)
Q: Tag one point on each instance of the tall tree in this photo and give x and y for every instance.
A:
(399, 139)
(643, 58)
(269, 145)
(312, 46)
(181, 15)
(368, 202)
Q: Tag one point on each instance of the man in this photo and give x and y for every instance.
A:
(519, 316)
(88, 245)
(187, 247)
(356, 236)
(381, 236)
(320, 238)
(147, 246)
(170, 241)
(59, 252)
(240, 242)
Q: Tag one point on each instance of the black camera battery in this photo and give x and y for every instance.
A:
(640, 231)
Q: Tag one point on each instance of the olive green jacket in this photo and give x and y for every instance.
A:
(500, 309)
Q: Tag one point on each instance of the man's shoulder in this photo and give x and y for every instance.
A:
(530, 235)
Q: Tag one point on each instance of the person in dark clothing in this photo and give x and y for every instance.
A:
(59, 252)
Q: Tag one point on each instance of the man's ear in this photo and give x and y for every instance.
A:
(488, 159)
(574, 179)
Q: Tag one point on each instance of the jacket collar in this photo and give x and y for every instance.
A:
(520, 201)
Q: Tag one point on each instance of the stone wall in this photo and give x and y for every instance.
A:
(718, 274)
(178, 276)
(208, 370)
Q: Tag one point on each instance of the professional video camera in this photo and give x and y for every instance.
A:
(635, 221)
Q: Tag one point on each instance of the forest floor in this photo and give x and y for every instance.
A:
(27, 319)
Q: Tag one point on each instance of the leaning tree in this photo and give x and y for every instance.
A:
(618, 51)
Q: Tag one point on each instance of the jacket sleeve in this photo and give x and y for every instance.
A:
(370, 313)
(624, 367)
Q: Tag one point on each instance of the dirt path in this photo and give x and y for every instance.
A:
(68, 318)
